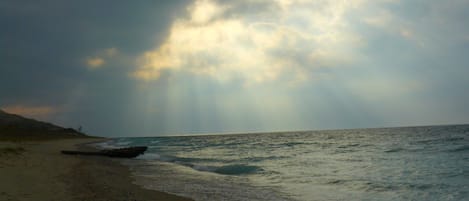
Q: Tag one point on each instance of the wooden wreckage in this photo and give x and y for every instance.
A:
(129, 152)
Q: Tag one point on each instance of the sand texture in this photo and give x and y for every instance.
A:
(35, 170)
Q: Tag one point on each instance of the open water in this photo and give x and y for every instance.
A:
(409, 163)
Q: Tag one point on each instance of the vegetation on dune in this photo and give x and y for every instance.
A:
(17, 128)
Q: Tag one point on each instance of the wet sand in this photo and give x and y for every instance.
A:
(36, 170)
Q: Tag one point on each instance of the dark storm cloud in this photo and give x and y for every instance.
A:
(45, 43)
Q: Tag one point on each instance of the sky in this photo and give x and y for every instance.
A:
(151, 68)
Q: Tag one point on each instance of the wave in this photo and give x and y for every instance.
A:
(236, 169)
(232, 169)
(175, 159)
(461, 148)
(123, 143)
(384, 186)
(440, 140)
(348, 146)
(291, 144)
(260, 159)
(149, 156)
(105, 145)
(381, 186)
(112, 144)
(400, 149)
(394, 150)
(454, 139)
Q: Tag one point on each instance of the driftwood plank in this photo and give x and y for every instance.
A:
(129, 152)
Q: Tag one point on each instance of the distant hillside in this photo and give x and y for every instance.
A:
(15, 126)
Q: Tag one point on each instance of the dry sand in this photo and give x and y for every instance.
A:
(36, 171)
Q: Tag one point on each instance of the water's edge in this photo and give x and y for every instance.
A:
(411, 163)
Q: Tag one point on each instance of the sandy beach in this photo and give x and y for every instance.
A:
(36, 170)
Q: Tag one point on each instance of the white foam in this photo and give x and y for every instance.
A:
(105, 145)
(123, 143)
(199, 185)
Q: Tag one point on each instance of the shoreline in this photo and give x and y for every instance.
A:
(36, 170)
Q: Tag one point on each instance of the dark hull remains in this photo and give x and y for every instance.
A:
(130, 152)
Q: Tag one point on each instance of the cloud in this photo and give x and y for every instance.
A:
(222, 42)
(421, 23)
(385, 19)
(111, 52)
(99, 60)
(45, 64)
(95, 62)
(224, 65)
(203, 11)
